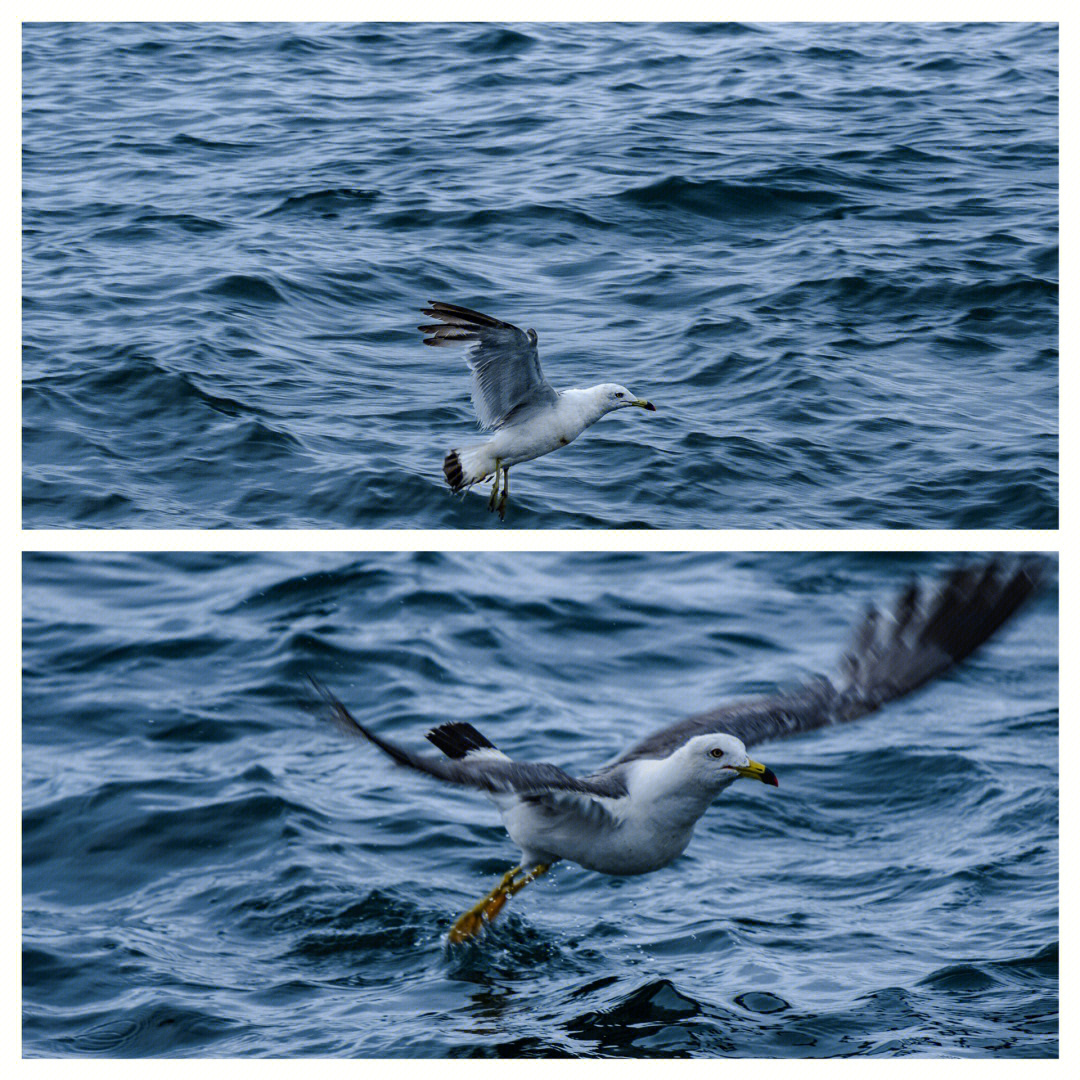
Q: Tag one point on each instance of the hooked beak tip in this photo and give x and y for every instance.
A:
(756, 771)
(648, 406)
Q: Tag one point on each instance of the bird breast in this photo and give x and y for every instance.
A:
(637, 847)
(611, 836)
(540, 434)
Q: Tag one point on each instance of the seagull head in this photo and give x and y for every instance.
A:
(613, 396)
(722, 759)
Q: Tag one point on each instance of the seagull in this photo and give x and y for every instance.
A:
(529, 416)
(637, 813)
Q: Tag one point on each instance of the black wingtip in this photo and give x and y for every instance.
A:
(348, 723)
(934, 628)
(342, 716)
(439, 309)
(319, 688)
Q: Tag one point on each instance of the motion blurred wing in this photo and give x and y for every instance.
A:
(930, 630)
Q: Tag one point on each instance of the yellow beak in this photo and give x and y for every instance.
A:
(641, 403)
(756, 771)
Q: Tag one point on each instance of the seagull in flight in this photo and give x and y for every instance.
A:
(529, 416)
(637, 813)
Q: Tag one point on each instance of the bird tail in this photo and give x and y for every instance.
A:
(466, 466)
(929, 631)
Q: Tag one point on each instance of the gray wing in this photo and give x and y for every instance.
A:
(504, 361)
(493, 774)
(929, 630)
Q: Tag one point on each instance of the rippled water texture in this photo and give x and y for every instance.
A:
(828, 254)
(210, 868)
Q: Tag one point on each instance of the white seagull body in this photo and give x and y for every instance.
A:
(638, 813)
(642, 830)
(529, 416)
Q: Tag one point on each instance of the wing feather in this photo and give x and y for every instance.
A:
(503, 359)
(490, 773)
(930, 630)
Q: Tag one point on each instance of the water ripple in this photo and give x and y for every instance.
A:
(209, 868)
(831, 261)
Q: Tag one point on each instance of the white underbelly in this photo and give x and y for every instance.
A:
(622, 854)
(596, 845)
(531, 440)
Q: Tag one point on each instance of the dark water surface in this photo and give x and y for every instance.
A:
(828, 253)
(209, 868)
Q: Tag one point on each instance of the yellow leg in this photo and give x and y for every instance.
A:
(472, 922)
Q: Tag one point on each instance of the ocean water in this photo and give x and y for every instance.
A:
(828, 253)
(211, 868)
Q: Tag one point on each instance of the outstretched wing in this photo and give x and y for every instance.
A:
(492, 771)
(930, 630)
(504, 361)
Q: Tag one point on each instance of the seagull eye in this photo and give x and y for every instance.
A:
(716, 752)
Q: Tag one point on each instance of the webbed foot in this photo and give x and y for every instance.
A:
(473, 921)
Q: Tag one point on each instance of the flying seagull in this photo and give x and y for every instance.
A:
(637, 813)
(529, 416)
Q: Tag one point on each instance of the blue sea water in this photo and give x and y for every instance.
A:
(828, 253)
(211, 868)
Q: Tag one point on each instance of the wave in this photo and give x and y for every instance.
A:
(328, 202)
(723, 201)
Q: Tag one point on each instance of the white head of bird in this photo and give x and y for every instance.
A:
(608, 397)
(716, 760)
